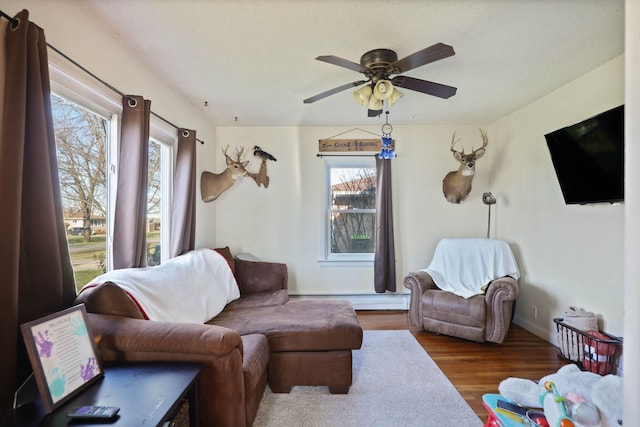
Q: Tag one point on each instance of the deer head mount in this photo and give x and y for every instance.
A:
(456, 185)
(214, 184)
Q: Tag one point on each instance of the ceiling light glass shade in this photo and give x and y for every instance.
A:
(362, 95)
(395, 96)
(383, 89)
(375, 104)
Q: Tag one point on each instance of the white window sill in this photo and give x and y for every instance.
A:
(350, 262)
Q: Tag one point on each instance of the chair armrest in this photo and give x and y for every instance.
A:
(503, 289)
(220, 350)
(259, 276)
(500, 299)
(417, 282)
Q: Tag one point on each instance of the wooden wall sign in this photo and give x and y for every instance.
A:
(328, 145)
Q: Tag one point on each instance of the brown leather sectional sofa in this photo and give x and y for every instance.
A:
(261, 337)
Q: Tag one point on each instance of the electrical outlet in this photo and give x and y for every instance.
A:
(534, 311)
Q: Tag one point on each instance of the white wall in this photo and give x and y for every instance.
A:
(284, 222)
(569, 254)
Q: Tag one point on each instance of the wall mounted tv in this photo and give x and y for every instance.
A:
(588, 158)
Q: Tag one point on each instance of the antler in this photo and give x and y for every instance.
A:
(224, 150)
(239, 153)
(485, 142)
(453, 142)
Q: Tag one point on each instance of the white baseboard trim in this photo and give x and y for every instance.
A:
(546, 335)
(366, 301)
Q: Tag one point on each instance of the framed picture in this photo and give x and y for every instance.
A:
(63, 355)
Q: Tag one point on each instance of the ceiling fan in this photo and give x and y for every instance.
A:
(378, 66)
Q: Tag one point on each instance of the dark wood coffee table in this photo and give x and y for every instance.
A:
(148, 394)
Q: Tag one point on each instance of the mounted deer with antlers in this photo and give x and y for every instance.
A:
(214, 184)
(456, 185)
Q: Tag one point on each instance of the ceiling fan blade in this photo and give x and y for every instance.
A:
(373, 113)
(332, 91)
(430, 54)
(424, 86)
(341, 62)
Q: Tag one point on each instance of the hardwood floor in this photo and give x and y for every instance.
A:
(475, 368)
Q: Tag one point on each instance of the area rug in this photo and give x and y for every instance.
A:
(395, 383)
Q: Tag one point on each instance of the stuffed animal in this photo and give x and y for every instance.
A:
(590, 399)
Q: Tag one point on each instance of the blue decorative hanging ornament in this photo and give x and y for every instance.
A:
(387, 151)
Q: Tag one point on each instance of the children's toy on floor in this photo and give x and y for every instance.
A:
(570, 397)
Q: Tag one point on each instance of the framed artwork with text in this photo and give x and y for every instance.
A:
(63, 355)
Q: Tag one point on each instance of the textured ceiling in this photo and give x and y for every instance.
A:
(253, 61)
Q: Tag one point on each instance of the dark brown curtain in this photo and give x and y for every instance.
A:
(130, 218)
(183, 207)
(385, 257)
(37, 277)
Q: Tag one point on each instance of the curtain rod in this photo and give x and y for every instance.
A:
(119, 92)
(15, 23)
(346, 155)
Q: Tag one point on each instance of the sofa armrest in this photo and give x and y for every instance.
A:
(417, 282)
(220, 350)
(500, 300)
(119, 336)
(259, 276)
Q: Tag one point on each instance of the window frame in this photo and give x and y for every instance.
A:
(75, 85)
(342, 259)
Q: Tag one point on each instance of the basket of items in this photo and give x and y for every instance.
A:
(581, 342)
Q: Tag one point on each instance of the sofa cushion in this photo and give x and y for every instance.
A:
(255, 358)
(226, 254)
(301, 325)
(109, 298)
(450, 308)
(258, 276)
(259, 299)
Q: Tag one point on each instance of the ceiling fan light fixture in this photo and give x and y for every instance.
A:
(383, 90)
(363, 94)
(375, 104)
(395, 96)
(383, 73)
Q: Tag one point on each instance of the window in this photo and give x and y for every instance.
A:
(86, 123)
(82, 141)
(158, 195)
(350, 210)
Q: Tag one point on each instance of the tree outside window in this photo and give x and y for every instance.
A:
(352, 210)
(82, 144)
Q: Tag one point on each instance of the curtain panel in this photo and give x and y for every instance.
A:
(183, 207)
(130, 218)
(385, 257)
(37, 277)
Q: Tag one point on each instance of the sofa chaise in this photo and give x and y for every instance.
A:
(261, 337)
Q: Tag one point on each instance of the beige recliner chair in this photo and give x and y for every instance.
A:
(468, 290)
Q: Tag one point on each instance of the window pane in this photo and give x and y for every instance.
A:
(81, 142)
(352, 232)
(352, 210)
(154, 204)
(353, 188)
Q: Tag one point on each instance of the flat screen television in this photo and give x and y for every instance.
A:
(588, 158)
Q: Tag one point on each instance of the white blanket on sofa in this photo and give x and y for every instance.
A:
(193, 287)
(466, 266)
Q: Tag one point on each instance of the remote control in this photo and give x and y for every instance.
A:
(519, 410)
(96, 412)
